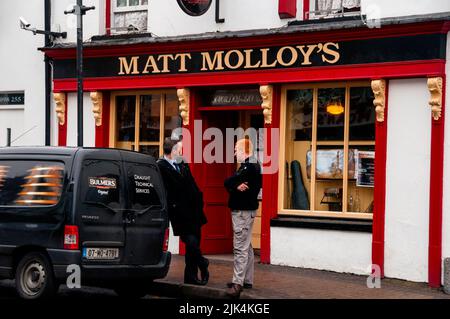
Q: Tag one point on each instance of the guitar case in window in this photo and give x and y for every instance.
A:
(299, 199)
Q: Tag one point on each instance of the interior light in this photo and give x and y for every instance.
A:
(335, 108)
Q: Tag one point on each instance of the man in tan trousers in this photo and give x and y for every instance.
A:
(243, 188)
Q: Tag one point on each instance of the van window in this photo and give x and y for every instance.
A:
(100, 183)
(144, 186)
(30, 183)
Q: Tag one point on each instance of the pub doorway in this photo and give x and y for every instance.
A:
(217, 236)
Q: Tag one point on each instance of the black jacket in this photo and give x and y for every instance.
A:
(184, 199)
(250, 172)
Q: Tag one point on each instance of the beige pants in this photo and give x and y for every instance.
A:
(242, 244)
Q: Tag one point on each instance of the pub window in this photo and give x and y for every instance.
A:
(129, 16)
(143, 120)
(329, 150)
(333, 8)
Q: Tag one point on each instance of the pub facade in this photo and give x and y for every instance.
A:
(349, 123)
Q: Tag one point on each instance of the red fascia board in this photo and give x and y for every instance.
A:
(389, 70)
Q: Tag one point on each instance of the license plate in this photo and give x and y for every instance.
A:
(101, 253)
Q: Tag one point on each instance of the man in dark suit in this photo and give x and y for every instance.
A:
(185, 206)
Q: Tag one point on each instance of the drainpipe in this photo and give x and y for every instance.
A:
(48, 72)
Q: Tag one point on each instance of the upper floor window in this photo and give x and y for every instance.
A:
(129, 15)
(334, 8)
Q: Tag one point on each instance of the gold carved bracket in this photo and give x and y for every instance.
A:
(435, 88)
(266, 92)
(60, 100)
(379, 91)
(183, 97)
(97, 106)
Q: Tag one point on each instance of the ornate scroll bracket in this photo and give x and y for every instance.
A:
(266, 92)
(435, 88)
(97, 106)
(183, 97)
(60, 100)
(379, 91)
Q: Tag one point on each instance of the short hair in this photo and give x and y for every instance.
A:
(169, 144)
(246, 145)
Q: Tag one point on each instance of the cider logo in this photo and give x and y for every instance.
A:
(102, 182)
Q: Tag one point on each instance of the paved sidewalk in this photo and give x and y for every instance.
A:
(280, 282)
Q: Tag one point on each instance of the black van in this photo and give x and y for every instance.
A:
(102, 210)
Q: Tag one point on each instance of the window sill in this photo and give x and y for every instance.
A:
(324, 223)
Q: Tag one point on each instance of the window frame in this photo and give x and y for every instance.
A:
(113, 143)
(113, 9)
(127, 8)
(314, 143)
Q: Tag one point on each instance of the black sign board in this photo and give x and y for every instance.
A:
(249, 97)
(295, 56)
(12, 98)
(194, 7)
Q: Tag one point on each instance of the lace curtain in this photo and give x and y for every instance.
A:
(337, 4)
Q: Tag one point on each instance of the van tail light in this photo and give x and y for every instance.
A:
(166, 240)
(71, 237)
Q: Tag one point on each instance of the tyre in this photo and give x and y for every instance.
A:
(34, 277)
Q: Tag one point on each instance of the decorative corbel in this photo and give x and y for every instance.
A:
(97, 106)
(435, 88)
(60, 100)
(266, 92)
(183, 97)
(379, 91)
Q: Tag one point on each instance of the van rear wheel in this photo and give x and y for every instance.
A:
(34, 277)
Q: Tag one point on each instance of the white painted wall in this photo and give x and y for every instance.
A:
(346, 252)
(11, 119)
(174, 242)
(22, 69)
(446, 202)
(408, 180)
(166, 17)
(389, 8)
(93, 20)
(72, 120)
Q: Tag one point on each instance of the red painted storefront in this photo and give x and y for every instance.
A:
(277, 78)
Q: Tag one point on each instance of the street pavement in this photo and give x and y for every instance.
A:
(271, 282)
(281, 282)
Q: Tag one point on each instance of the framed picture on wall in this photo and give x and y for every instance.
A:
(330, 164)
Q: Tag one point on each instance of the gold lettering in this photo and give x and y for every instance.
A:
(240, 60)
(218, 59)
(125, 67)
(264, 59)
(294, 56)
(307, 54)
(151, 63)
(183, 57)
(165, 58)
(331, 52)
(248, 60)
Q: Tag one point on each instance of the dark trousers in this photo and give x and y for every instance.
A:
(193, 259)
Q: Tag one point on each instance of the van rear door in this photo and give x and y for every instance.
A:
(146, 219)
(100, 207)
